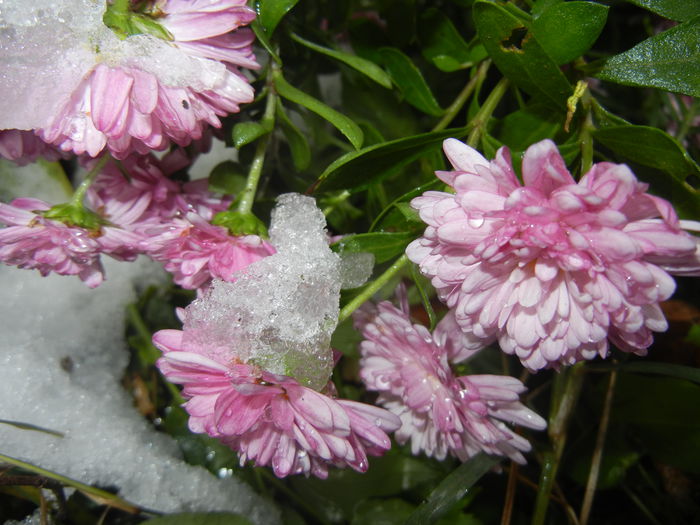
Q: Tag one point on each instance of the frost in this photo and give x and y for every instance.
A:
(355, 269)
(47, 47)
(62, 356)
(281, 312)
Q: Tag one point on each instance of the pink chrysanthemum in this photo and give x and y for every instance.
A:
(34, 242)
(440, 414)
(550, 268)
(271, 419)
(125, 108)
(196, 252)
(24, 147)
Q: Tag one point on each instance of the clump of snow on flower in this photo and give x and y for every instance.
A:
(61, 360)
(280, 314)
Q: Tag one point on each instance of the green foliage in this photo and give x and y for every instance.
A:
(200, 518)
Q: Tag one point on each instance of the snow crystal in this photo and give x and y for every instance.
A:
(355, 269)
(62, 356)
(48, 46)
(281, 312)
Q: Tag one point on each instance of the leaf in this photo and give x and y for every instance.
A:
(567, 30)
(344, 124)
(680, 10)
(29, 426)
(200, 518)
(650, 147)
(298, 145)
(391, 511)
(688, 373)
(357, 169)
(410, 81)
(664, 414)
(518, 54)
(423, 285)
(270, 12)
(362, 65)
(669, 60)
(247, 132)
(228, 178)
(443, 45)
(263, 38)
(398, 206)
(383, 245)
(528, 125)
(452, 488)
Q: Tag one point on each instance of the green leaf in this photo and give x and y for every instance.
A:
(452, 489)
(680, 10)
(410, 81)
(423, 285)
(688, 373)
(228, 178)
(357, 169)
(400, 206)
(670, 61)
(664, 415)
(528, 125)
(392, 511)
(264, 39)
(518, 54)
(383, 245)
(443, 45)
(200, 518)
(29, 426)
(344, 124)
(567, 30)
(362, 65)
(247, 132)
(270, 12)
(298, 145)
(650, 147)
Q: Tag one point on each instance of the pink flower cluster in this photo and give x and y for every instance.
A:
(272, 419)
(551, 268)
(142, 211)
(126, 109)
(441, 414)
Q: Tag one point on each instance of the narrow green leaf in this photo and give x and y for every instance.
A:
(344, 124)
(518, 54)
(247, 132)
(567, 30)
(398, 207)
(665, 369)
(362, 65)
(383, 245)
(201, 518)
(410, 81)
(669, 60)
(452, 489)
(532, 123)
(650, 147)
(298, 145)
(422, 285)
(263, 38)
(680, 10)
(29, 426)
(270, 12)
(228, 178)
(357, 169)
(442, 43)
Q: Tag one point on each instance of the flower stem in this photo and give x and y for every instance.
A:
(245, 204)
(482, 116)
(567, 387)
(463, 96)
(79, 194)
(372, 288)
(597, 457)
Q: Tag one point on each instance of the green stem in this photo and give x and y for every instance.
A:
(372, 288)
(463, 96)
(99, 495)
(482, 116)
(79, 194)
(597, 457)
(567, 387)
(245, 204)
(688, 119)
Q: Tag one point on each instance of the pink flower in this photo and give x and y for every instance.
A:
(440, 414)
(550, 268)
(271, 419)
(126, 108)
(195, 251)
(24, 147)
(35, 242)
